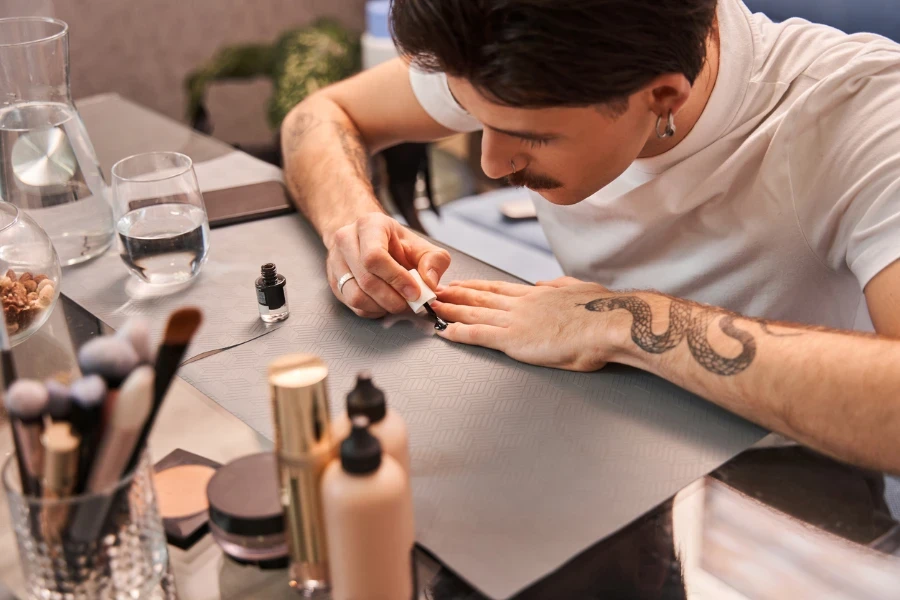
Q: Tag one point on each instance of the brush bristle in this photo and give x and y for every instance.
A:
(60, 403)
(137, 333)
(89, 392)
(27, 399)
(135, 399)
(182, 325)
(110, 357)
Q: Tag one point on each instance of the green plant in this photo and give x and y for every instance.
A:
(300, 62)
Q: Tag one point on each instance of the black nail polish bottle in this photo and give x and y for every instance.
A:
(271, 295)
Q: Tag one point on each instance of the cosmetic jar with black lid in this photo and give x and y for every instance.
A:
(245, 513)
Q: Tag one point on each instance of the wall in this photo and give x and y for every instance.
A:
(142, 49)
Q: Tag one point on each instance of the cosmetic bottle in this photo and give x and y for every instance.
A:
(303, 448)
(369, 521)
(385, 423)
(271, 295)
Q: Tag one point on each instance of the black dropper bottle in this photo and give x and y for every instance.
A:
(271, 295)
(366, 399)
(361, 451)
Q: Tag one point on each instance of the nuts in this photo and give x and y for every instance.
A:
(24, 297)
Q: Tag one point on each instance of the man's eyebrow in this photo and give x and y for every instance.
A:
(524, 135)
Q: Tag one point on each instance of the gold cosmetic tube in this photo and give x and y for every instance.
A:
(304, 447)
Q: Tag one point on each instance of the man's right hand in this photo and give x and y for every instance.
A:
(379, 252)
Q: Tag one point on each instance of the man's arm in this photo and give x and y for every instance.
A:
(835, 391)
(326, 141)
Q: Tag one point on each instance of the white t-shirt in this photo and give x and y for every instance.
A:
(782, 202)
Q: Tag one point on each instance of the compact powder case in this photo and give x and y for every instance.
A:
(245, 512)
(180, 480)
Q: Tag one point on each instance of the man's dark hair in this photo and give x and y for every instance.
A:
(543, 53)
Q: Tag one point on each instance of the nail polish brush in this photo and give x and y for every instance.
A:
(421, 305)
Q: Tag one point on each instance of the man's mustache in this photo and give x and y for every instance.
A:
(535, 181)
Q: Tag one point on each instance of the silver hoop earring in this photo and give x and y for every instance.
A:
(512, 164)
(669, 131)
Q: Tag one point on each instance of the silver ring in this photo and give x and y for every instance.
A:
(343, 280)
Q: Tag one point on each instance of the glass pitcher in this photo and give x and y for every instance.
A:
(47, 164)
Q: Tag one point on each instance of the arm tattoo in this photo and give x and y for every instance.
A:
(351, 141)
(692, 321)
(683, 323)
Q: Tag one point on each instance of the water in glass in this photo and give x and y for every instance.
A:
(164, 243)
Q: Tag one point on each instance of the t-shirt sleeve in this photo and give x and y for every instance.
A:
(433, 93)
(844, 163)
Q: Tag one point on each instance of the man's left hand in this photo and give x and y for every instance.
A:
(545, 325)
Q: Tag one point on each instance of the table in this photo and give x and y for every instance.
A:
(777, 486)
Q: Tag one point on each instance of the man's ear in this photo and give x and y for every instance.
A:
(668, 94)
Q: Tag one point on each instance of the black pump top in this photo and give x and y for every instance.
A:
(366, 400)
(361, 451)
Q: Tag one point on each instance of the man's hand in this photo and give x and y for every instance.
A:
(836, 391)
(379, 252)
(544, 325)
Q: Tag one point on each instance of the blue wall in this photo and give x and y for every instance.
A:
(852, 16)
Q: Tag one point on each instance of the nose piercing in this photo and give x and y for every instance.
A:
(512, 163)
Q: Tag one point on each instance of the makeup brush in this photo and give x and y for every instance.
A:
(137, 333)
(88, 396)
(123, 430)
(112, 359)
(59, 474)
(119, 441)
(60, 460)
(181, 327)
(6, 359)
(109, 357)
(59, 406)
(26, 401)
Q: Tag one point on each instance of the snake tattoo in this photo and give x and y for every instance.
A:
(683, 323)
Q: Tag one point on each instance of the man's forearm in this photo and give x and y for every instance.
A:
(837, 392)
(326, 166)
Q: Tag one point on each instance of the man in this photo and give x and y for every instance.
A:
(684, 146)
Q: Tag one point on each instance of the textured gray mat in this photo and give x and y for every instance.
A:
(225, 287)
(516, 469)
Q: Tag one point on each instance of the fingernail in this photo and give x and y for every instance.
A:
(440, 288)
(432, 275)
(410, 293)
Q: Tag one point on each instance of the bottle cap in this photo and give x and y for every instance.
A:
(366, 400)
(361, 451)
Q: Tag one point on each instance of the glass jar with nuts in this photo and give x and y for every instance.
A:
(29, 273)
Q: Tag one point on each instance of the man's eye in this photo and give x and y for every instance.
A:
(536, 143)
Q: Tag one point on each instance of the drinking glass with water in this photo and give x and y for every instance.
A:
(161, 222)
